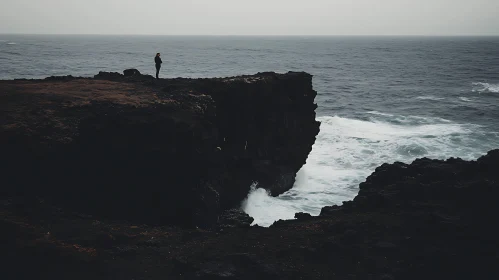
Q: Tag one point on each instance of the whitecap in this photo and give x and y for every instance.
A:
(485, 87)
(465, 99)
(404, 120)
(11, 43)
(380, 114)
(430, 97)
(348, 150)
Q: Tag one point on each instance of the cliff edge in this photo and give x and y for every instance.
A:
(169, 151)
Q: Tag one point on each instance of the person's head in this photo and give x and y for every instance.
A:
(158, 54)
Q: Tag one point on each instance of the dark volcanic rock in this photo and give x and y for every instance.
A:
(430, 219)
(108, 76)
(238, 266)
(443, 210)
(427, 182)
(234, 218)
(302, 216)
(122, 146)
(131, 72)
(164, 151)
(60, 78)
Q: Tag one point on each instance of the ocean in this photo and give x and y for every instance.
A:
(381, 99)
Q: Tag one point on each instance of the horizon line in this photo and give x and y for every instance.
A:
(263, 35)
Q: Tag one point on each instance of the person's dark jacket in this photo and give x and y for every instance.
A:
(158, 61)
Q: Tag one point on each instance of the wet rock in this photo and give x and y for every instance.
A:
(329, 210)
(303, 216)
(234, 218)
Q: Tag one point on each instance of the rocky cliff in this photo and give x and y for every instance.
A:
(137, 150)
(431, 219)
(155, 151)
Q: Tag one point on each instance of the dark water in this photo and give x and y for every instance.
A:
(381, 99)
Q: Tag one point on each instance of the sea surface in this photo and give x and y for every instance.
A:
(381, 99)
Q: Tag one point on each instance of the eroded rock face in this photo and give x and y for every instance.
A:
(435, 185)
(169, 151)
(443, 208)
(431, 219)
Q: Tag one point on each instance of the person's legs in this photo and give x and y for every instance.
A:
(157, 72)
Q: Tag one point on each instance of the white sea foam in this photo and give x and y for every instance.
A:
(11, 43)
(348, 150)
(379, 113)
(465, 99)
(430, 97)
(485, 87)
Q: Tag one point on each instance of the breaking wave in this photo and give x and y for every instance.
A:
(348, 150)
(485, 87)
(430, 97)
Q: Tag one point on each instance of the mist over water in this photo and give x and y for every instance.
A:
(381, 99)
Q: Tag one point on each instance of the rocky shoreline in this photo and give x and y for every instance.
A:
(430, 219)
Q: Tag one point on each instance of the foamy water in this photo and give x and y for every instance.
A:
(486, 87)
(348, 150)
(434, 98)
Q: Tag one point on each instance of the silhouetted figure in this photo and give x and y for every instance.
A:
(158, 62)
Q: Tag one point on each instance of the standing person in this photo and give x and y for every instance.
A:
(158, 62)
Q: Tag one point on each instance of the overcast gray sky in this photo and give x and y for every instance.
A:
(251, 17)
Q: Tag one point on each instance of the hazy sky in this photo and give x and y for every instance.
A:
(251, 17)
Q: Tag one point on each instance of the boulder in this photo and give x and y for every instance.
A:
(131, 72)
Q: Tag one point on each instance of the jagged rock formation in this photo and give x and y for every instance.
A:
(437, 186)
(431, 219)
(156, 151)
(142, 150)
